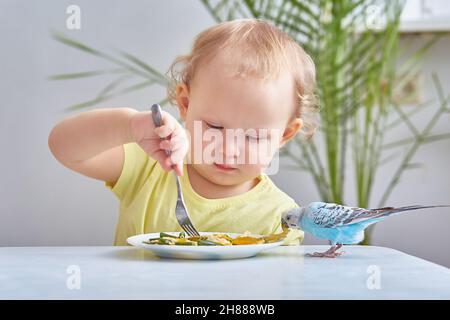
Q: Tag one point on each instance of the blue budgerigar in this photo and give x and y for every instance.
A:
(339, 224)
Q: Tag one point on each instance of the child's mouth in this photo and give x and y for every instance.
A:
(224, 167)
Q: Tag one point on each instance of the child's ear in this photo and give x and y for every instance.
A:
(291, 130)
(182, 92)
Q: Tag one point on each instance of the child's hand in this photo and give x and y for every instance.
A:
(144, 133)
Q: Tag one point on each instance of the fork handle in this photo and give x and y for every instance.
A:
(157, 120)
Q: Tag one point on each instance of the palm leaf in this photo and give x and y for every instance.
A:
(85, 74)
(162, 79)
(106, 97)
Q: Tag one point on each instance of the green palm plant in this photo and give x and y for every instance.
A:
(354, 44)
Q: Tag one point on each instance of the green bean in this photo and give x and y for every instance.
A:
(166, 235)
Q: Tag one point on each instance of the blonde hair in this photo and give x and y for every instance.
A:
(265, 52)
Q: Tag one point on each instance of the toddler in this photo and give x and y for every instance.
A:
(244, 76)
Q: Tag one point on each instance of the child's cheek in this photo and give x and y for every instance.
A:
(260, 153)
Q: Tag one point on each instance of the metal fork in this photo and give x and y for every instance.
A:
(180, 209)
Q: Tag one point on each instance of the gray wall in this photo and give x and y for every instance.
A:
(42, 203)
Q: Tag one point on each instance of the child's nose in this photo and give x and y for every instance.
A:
(230, 149)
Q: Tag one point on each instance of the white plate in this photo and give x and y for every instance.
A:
(200, 252)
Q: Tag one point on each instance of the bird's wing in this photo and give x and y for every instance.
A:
(332, 215)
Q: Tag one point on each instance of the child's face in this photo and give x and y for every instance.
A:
(217, 103)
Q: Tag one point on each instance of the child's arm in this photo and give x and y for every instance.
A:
(91, 142)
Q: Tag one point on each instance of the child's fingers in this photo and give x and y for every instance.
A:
(178, 151)
(166, 145)
(179, 146)
(163, 159)
(164, 131)
(174, 143)
(168, 126)
(178, 155)
(179, 133)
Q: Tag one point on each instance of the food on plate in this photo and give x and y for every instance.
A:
(216, 239)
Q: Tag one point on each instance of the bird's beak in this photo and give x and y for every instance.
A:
(284, 225)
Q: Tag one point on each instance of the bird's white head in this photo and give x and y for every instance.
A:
(293, 217)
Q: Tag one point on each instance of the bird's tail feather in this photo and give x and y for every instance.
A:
(375, 215)
(387, 211)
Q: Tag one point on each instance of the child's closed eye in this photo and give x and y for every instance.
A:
(212, 126)
(252, 138)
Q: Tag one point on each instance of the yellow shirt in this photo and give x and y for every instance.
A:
(148, 196)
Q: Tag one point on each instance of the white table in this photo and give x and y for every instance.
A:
(280, 273)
